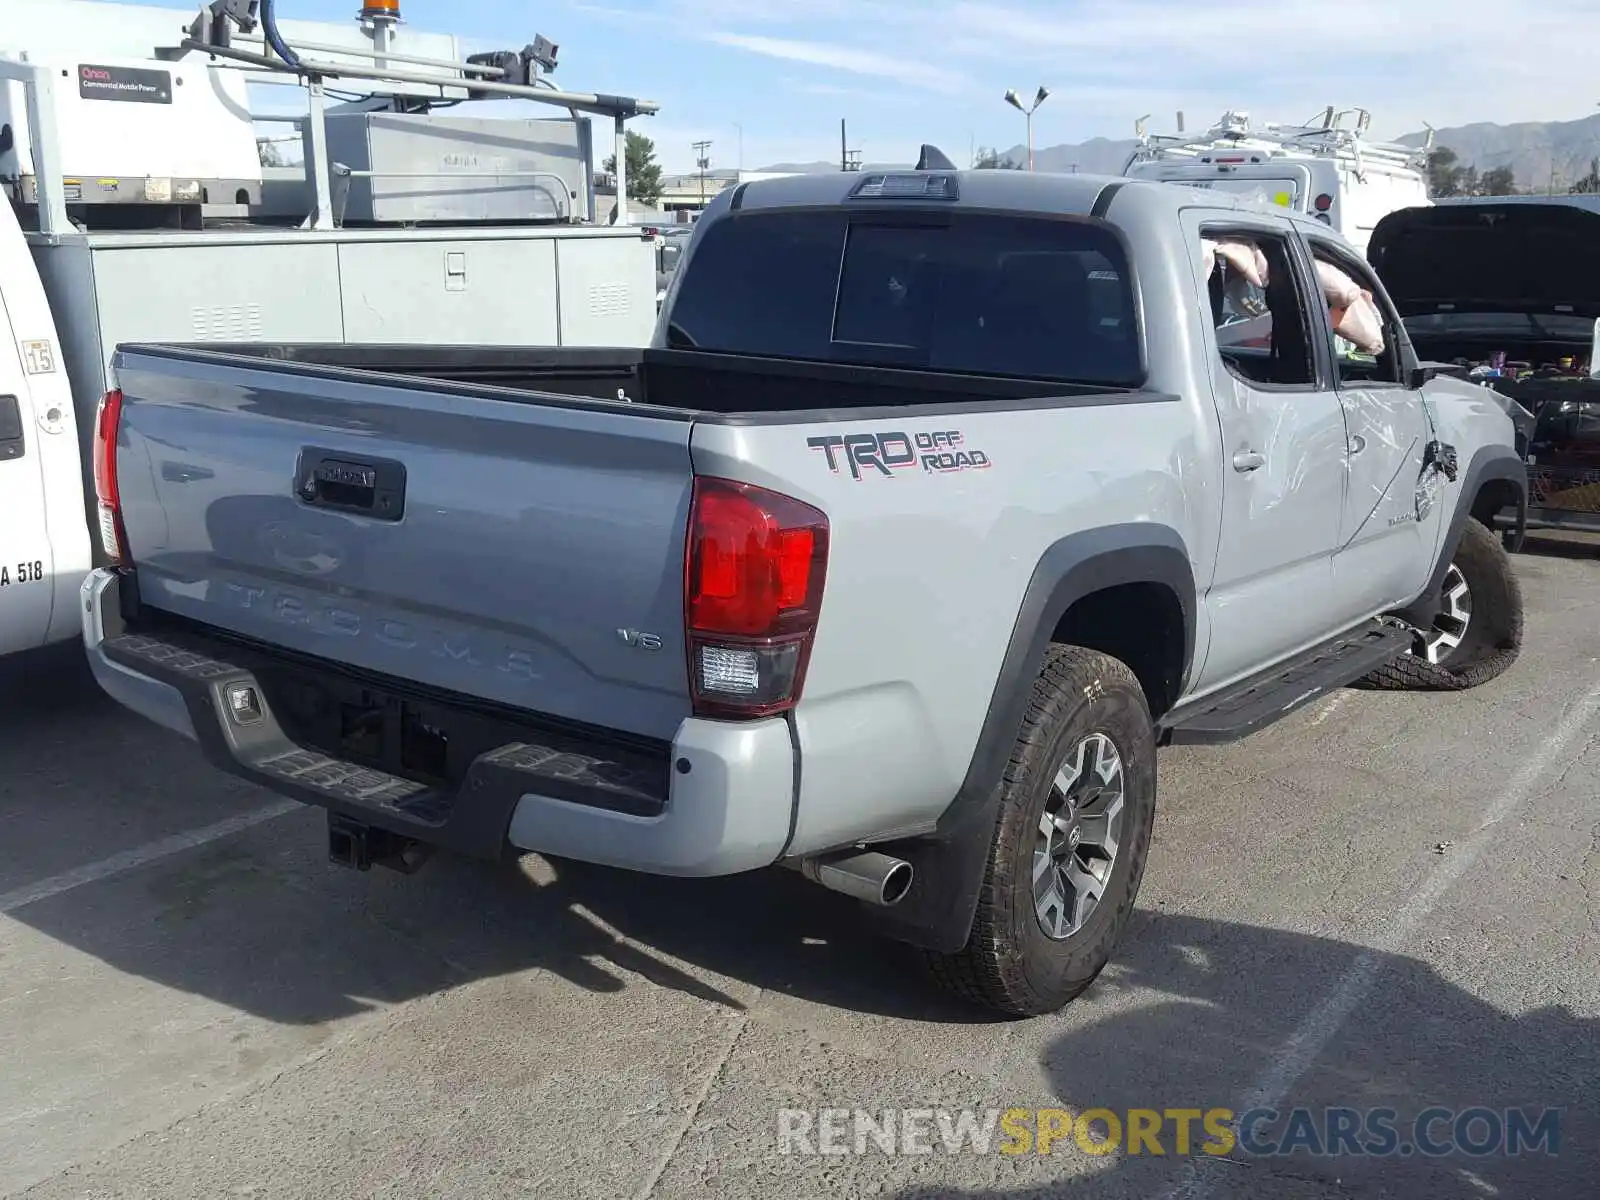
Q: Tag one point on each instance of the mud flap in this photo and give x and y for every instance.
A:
(948, 872)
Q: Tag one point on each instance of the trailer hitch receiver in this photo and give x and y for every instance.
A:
(360, 846)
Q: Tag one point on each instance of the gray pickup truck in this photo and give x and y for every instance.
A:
(941, 500)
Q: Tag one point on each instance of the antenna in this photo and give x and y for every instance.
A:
(1180, 120)
(933, 159)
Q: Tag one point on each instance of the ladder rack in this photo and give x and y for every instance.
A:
(391, 75)
(1326, 140)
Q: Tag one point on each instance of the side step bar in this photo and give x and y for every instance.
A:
(1272, 695)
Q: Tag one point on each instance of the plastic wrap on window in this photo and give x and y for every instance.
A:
(1353, 310)
(1243, 257)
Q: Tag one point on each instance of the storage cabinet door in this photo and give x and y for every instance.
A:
(477, 293)
(608, 291)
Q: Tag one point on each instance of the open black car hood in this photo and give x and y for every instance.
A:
(1533, 254)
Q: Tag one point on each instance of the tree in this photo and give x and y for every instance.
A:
(1498, 181)
(268, 153)
(1590, 183)
(644, 173)
(1444, 172)
(989, 159)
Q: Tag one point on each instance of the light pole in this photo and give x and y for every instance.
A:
(1016, 102)
(702, 161)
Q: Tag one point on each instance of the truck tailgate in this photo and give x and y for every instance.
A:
(511, 551)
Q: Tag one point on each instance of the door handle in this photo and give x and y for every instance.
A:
(1248, 460)
(1356, 445)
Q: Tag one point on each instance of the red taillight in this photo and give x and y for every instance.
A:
(106, 491)
(1323, 202)
(753, 577)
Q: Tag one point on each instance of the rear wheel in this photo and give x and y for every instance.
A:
(1076, 815)
(1477, 633)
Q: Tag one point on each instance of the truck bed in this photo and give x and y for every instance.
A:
(496, 525)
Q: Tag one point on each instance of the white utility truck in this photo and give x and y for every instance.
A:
(1334, 173)
(138, 210)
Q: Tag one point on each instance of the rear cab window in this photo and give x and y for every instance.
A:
(996, 294)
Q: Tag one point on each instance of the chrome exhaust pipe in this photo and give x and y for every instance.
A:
(865, 874)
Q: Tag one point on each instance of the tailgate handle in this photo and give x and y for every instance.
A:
(12, 444)
(374, 487)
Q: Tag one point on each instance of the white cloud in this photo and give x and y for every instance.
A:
(895, 68)
(857, 95)
(1443, 62)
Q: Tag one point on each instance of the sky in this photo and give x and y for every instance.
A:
(769, 80)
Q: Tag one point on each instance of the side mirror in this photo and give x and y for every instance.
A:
(1594, 352)
(1421, 373)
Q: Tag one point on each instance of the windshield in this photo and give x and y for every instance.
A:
(966, 293)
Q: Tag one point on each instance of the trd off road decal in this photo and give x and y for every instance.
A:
(895, 452)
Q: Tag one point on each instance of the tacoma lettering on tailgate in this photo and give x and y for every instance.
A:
(346, 620)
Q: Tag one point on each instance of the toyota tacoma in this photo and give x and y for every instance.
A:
(940, 501)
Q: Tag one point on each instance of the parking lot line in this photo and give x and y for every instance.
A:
(150, 852)
(1312, 1036)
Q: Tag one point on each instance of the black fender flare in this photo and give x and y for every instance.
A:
(949, 863)
(1488, 463)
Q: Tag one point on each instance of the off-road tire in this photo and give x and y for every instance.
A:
(1008, 962)
(1494, 636)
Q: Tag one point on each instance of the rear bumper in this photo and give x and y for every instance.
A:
(729, 790)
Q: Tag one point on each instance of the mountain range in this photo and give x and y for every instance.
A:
(1541, 154)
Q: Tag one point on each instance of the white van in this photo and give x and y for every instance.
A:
(1335, 174)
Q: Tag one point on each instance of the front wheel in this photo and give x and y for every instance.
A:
(1076, 815)
(1477, 633)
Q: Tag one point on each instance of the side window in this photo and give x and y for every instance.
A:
(1361, 325)
(1263, 329)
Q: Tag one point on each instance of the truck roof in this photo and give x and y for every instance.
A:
(1022, 191)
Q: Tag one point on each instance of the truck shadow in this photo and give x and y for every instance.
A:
(1559, 544)
(768, 929)
(258, 920)
(1196, 1013)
